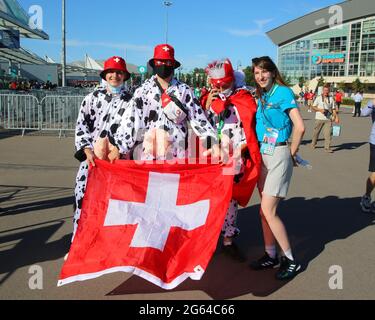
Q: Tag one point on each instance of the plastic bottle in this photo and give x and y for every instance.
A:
(303, 163)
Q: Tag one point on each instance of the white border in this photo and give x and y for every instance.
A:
(196, 275)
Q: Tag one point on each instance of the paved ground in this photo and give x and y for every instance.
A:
(322, 215)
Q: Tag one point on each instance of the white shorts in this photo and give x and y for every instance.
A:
(276, 173)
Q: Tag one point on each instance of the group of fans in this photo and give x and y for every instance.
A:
(154, 123)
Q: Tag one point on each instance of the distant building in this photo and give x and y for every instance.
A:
(308, 47)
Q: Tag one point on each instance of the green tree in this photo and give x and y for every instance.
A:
(301, 82)
(321, 82)
(341, 86)
(357, 85)
(188, 79)
(287, 79)
(249, 76)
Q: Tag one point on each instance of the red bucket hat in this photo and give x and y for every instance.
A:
(220, 72)
(164, 52)
(115, 63)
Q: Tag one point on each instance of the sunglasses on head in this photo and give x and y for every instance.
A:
(257, 60)
(168, 63)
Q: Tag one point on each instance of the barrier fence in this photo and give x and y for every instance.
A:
(27, 112)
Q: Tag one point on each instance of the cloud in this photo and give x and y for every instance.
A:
(259, 31)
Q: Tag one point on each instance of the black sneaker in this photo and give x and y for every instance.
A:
(265, 262)
(288, 269)
(234, 252)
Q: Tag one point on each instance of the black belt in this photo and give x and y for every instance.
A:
(279, 144)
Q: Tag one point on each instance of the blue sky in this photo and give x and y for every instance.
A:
(200, 30)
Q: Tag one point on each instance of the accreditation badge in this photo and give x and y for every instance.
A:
(269, 141)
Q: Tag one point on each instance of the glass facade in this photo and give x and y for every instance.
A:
(336, 52)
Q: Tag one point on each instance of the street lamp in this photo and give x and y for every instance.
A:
(167, 4)
(63, 53)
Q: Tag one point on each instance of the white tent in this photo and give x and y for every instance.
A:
(49, 60)
(90, 63)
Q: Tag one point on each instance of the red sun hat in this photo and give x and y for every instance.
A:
(220, 72)
(115, 63)
(164, 52)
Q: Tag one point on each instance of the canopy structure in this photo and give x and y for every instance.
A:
(20, 56)
(90, 63)
(49, 60)
(13, 16)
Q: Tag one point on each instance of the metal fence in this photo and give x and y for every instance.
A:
(59, 112)
(27, 112)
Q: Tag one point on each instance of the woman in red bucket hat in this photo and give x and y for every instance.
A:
(161, 109)
(95, 122)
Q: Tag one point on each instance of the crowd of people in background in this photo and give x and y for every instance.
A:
(26, 85)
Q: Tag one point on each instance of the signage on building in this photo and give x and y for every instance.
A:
(10, 39)
(328, 58)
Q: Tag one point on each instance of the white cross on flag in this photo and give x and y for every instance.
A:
(160, 222)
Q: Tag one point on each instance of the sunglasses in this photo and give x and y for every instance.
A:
(168, 63)
(264, 58)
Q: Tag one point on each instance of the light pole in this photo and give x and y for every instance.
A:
(63, 55)
(167, 4)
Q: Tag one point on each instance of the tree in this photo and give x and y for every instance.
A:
(287, 80)
(249, 76)
(357, 85)
(301, 82)
(321, 82)
(188, 79)
(341, 86)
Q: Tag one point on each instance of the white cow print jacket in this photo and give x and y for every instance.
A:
(145, 113)
(97, 115)
(95, 120)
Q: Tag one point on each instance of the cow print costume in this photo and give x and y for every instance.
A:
(96, 120)
(144, 113)
(232, 129)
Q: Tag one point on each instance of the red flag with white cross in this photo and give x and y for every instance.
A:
(158, 221)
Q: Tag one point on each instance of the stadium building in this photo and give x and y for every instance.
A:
(315, 45)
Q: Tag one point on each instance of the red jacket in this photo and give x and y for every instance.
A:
(338, 97)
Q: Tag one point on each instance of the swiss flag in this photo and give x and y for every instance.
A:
(158, 221)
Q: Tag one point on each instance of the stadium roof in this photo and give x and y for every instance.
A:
(13, 16)
(319, 20)
(21, 56)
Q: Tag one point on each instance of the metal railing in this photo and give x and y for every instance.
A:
(27, 112)
(19, 112)
(59, 112)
